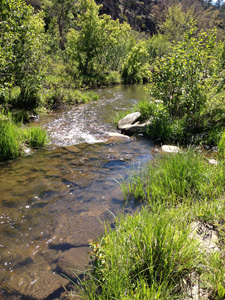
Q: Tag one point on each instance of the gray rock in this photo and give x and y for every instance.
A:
(73, 262)
(129, 119)
(116, 137)
(170, 149)
(213, 161)
(132, 129)
(206, 235)
(35, 284)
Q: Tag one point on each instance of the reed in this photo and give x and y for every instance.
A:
(35, 137)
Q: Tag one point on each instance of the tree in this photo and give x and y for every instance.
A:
(92, 45)
(136, 67)
(177, 22)
(21, 50)
(59, 14)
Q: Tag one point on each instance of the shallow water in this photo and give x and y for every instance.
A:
(54, 201)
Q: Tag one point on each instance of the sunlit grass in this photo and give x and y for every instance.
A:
(10, 140)
(35, 137)
(13, 137)
(176, 178)
(154, 253)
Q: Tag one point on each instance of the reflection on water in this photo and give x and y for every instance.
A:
(54, 201)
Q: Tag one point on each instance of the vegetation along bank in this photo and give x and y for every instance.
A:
(51, 52)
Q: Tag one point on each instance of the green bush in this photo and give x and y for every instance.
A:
(136, 67)
(182, 78)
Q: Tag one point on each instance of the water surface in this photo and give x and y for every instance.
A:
(54, 201)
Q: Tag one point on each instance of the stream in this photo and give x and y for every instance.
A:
(54, 201)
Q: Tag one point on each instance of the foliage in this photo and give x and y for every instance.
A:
(221, 148)
(21, 51)
(157, 46)
(177, 23)
(58, 16)
(99, 40)
(182, 78)
(135, 67)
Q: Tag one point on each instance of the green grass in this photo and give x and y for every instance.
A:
(13, 138)
(35, 137)
(221, 148)
(10, 139)
(54, 98)
(176, 178)
(147, 256)
(153, 254)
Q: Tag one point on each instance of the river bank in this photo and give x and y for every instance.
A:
(173, 247)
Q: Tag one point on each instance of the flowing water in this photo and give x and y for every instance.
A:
(52, 202)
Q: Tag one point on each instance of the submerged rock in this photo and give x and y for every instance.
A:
(116, 137)
(73, 262)
(36, 284)
(128, 120)
(170, 149)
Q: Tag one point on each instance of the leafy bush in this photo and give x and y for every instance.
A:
(181, 79)
(97, 46)
(157, 46)
(22, 51)
(136, 67)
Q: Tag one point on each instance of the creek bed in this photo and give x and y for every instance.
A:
(54, 201)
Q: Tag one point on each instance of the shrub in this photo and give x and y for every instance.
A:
(181, 79)
(136, 67)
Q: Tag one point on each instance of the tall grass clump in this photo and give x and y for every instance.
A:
(174, 178)
(35, 137)
(147, 256)
(221, 148)
(10, 139)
